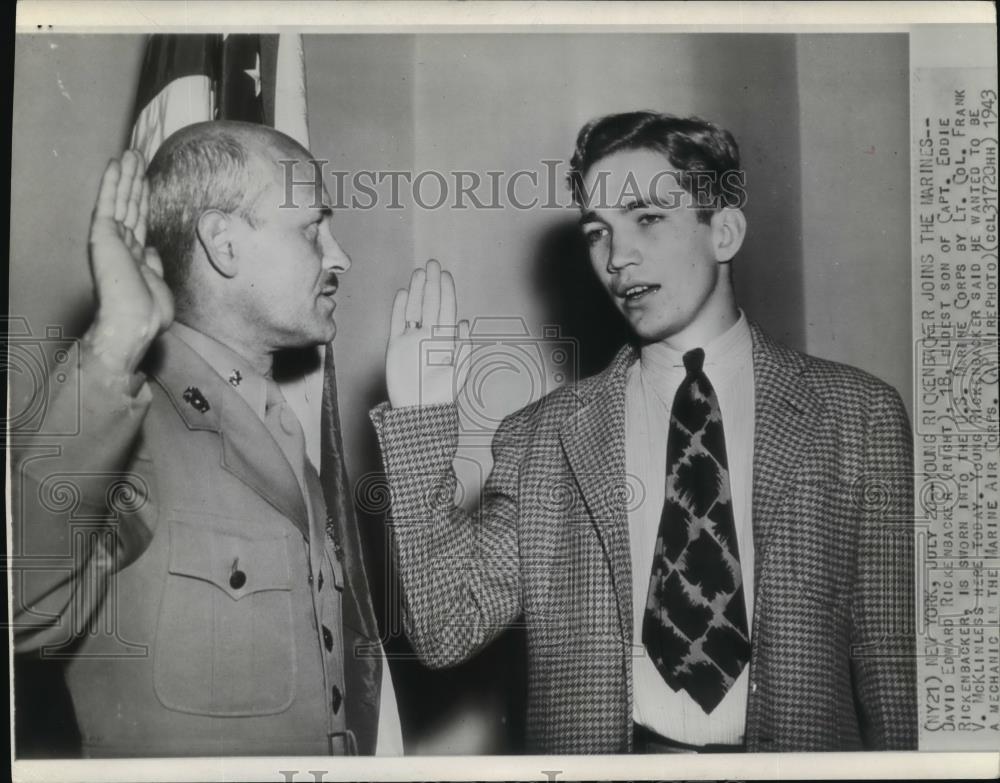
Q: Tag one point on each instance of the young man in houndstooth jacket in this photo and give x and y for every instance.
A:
(631, 648)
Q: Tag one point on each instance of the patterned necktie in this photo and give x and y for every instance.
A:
(695, 623)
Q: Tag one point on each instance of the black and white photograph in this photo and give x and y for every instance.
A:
(606, 389)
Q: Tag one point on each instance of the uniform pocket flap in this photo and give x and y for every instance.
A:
(237, 565)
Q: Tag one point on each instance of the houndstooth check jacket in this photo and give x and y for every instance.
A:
(832, 664)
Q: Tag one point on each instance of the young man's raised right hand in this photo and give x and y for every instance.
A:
(426, 360)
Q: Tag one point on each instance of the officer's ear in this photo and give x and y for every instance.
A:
(729, 227)
(216, 239)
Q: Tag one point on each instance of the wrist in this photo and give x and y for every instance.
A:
(119, 350)
(111, 382)
(420, 395)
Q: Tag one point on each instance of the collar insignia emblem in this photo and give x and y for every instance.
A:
(194, 398)
(235, 378)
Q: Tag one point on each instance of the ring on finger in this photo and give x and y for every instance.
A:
(413, 324)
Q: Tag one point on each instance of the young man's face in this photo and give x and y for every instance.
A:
(654, 257)
(288, 262)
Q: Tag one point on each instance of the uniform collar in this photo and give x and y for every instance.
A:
(231, 367)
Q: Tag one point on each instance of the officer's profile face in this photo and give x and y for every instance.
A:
(646, 244)
(288, 258)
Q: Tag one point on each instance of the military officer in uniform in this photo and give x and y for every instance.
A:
(206, 588)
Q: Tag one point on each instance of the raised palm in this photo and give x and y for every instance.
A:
(134, 303)
(426, 360)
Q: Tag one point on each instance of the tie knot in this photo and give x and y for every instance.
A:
(275, 399)
(279, 410)
(693, 360)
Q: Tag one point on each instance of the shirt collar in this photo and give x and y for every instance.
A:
(233, 368)
(664, 366)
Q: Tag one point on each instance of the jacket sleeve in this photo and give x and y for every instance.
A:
(70, 488)
(459, 570)
(883, 651)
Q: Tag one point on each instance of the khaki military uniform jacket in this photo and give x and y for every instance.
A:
(167, 553)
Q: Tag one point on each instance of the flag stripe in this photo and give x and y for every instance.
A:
(183, 101)
(268, 69)
(170, 57)
(290, 116)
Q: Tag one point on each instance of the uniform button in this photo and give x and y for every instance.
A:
(336, 699)
(753, 686)
(327, 639)
(237, 579)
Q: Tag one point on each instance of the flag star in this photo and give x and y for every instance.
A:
(254, 73)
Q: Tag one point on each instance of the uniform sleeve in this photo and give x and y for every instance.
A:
(69, 481)
(883, 652)
(459, 570)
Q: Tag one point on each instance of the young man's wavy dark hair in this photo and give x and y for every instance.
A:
(691, 145)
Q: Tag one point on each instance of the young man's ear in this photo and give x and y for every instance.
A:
(729, 227)
(216, 239)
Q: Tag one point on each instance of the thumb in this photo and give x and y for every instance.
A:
(161, 295)
(463, 355)
(151, 258)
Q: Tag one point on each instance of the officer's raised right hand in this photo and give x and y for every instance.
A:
(134, 304)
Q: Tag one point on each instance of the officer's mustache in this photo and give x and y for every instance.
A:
(330, 284)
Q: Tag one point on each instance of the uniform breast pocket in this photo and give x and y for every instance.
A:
(224, 641)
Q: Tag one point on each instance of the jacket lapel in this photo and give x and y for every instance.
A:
(248, 451)
(786, 410)
(593, 440)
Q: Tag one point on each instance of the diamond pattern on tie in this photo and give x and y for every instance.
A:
(695, 623)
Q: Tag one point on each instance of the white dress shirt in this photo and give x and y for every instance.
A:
(650, 386)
